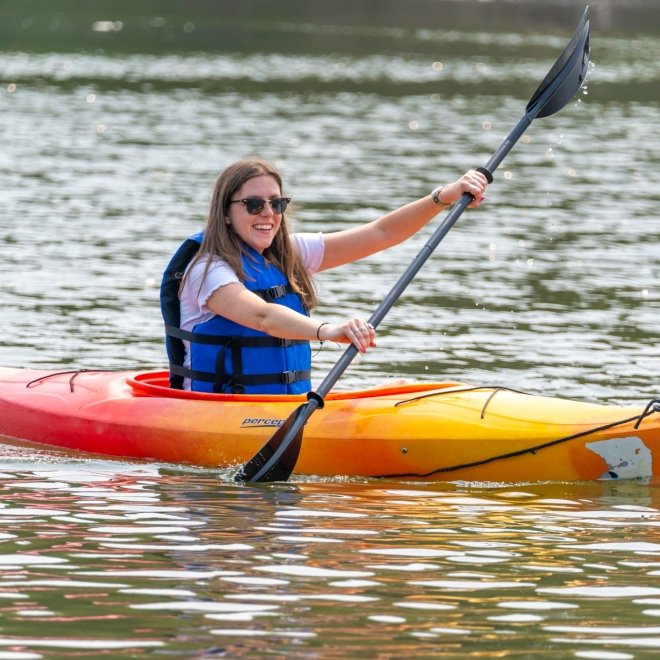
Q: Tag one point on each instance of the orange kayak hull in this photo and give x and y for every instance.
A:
(422, 431)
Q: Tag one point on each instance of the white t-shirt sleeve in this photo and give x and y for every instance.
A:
(310, 247)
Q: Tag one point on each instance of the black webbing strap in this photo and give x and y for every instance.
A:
(219, 375)
(224, 340)
(282, 378)
(236, 385)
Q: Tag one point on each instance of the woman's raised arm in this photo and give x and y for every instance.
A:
(349, 245)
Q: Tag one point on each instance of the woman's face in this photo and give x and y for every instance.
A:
(257, 231)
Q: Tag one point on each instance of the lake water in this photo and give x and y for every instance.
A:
(112, 137)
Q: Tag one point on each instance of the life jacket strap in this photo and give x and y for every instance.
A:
(225, 340)
(238, 383)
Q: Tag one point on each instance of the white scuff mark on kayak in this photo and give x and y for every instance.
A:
(626, 458)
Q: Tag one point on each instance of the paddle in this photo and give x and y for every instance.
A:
(276, 460)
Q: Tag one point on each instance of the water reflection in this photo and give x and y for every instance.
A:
(127, 549)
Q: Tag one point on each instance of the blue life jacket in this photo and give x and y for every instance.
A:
(226, 356)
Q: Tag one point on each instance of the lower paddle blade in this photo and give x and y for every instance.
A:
(276, 460)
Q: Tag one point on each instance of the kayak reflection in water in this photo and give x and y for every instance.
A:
(236, 298)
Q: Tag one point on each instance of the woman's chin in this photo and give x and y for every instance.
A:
(260, 243)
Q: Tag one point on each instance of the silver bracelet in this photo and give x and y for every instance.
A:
(435, 195)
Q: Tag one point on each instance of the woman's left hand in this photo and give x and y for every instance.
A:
(472, 182)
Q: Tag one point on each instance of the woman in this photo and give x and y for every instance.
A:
(236, 298)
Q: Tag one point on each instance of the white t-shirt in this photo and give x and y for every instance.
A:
(193, 297)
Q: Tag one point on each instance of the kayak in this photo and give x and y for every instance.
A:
(420, 431)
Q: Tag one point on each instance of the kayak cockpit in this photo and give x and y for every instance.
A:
(156, 384)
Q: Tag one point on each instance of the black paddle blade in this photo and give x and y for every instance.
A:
(277, 458)
(566, 76)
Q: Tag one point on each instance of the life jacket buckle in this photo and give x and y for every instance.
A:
(275, 292)
(288, 377)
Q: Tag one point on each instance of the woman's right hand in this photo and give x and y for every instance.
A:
(354, 331)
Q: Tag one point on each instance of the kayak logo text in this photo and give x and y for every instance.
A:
(258, 422)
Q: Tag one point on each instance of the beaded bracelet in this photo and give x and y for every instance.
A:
(318, 330)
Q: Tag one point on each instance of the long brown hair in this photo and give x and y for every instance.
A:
(220, 240)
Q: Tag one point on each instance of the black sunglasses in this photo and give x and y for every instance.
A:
(255, 205)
